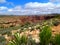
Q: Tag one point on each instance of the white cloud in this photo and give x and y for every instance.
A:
(55, 1)
(33, 8)
(43, 8)
(2, 1)
(38, 5)
(17, 8)
(3, 8)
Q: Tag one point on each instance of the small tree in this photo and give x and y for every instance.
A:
(45, 35)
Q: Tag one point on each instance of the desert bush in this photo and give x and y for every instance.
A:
(45, 36)
(32, 28)
(31, 41)
(56, 23)
(2, 40)
(3, 43)
(18, 40)
(56, 40)
(57, 16)
(8, 33)
(21, 40)
(38, 26)
(12, 25)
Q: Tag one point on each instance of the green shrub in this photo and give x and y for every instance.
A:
(56, 40)
(2, 40)
(56, 23)
(31, 41)
(18, 40)
(45, 35)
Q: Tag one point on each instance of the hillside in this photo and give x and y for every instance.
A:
(28, 25)
(17, 20)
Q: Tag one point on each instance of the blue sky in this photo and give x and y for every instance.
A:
(22, 2)
(27, 7)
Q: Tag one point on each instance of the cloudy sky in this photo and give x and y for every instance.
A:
(29, 7)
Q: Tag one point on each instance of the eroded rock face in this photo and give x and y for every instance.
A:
(8, 21)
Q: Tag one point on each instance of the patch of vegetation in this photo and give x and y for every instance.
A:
(45, 36)
(2, 40)
(18, 40)
(56, 23)
(56, 40)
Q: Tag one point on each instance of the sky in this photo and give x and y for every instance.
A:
(29, 7)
